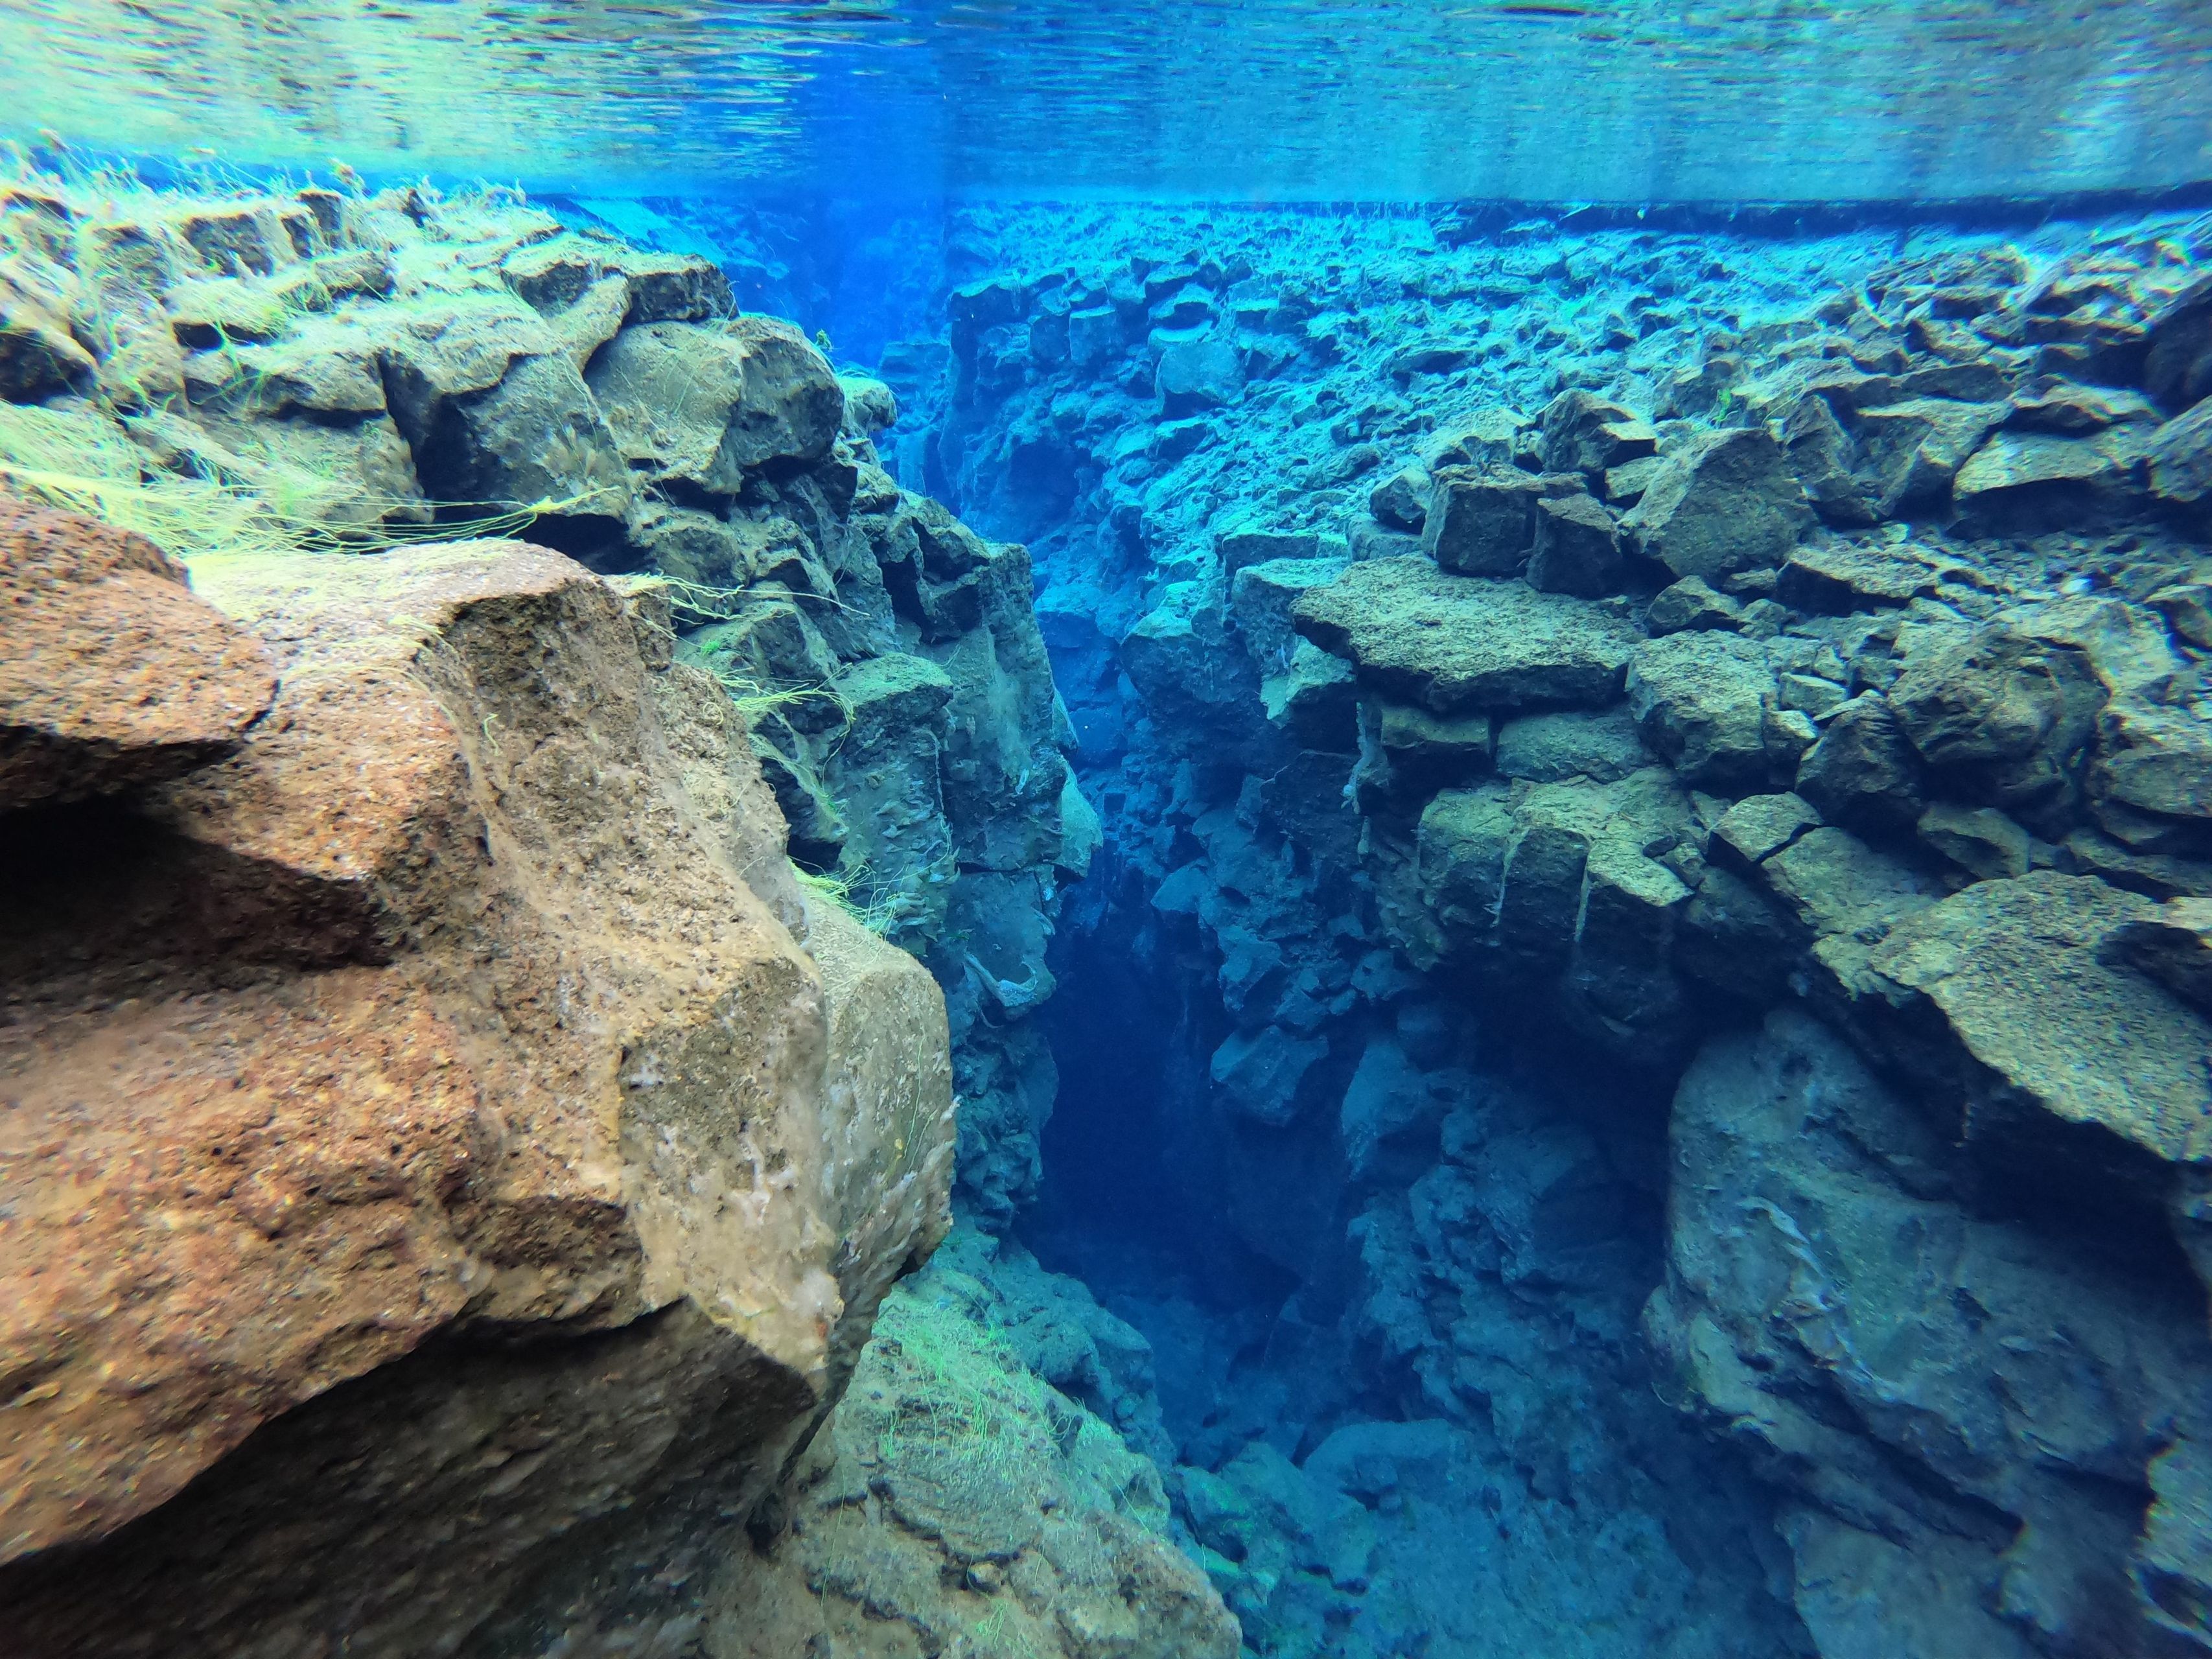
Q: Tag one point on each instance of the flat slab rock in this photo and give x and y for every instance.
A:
(1455, 642)
(2106, 1046)
(115, 676)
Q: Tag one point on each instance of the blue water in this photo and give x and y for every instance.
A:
(1402, 1267)
(1605, 100)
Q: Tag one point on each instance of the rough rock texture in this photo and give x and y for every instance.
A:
(1888, 550)
(1970, 1415)
(1453, 643)
(423, 1091)
(115, 675)
(357, 366)
(956, 1501)
(674, 1122)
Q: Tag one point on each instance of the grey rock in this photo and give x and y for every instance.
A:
(1571, 743)
(1914, 449)
(2108, 1051)
(1836, 578)
(1936, 1423)
(1314, 699)
(1578, 548)
(2178, 369)
(2031, 482)
(1454, 643)
(1979, 840)
(1691, 603)
(1585, 433)
(2002, 718)
(1828, 461)
(1198, 375)
(2172, 945)
(1425, 752)
(1244, 543)
(2179, 458)
(1401, 500)
(1700, 701)
(1481, 521)
(1759, 826)
(1261, 598)
(1862, 773)
(1725, 502)
(704, 405)
(1261, 1075)
(1386, 1100)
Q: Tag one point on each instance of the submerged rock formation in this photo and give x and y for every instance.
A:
(425, 1125)
(1529, 679)
(455, 1160)
(1640, 1074)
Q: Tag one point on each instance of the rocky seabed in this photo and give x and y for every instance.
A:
(1608, 834)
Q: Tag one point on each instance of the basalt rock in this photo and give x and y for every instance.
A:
(1481, 522)
(1963, 1477)
(1457, 642)
(701, 405)
(115, 676)
(1727, 501)
(468, 1310)
(955, 1490)
(1702, 700)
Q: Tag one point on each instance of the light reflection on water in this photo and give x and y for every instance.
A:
(1631, 101)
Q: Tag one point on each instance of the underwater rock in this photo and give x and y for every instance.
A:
(2109, 1051)
(38, 358)
(1198, 375)
(954, 1491)
(701, 405)
(456, 1281)
(1836, 578)
(2172, 945)
(1692, 603)
(1454, 642)
(2179, 456)
(1726, 502)
(2001, 717)
(116, 675)
(1481, 521)
(1962, 1479)
(2038, 481)
(1701, 701)
(1974, 698)
(1586, 434)
(1862, 772)
(2177, 368)
(1577, 549)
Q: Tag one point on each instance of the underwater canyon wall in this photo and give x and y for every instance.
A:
(1599, 735)
(1655, 788)
(454, 1158)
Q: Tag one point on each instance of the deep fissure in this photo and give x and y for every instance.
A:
(1560, 863)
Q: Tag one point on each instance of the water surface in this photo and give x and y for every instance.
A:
(1574, 101)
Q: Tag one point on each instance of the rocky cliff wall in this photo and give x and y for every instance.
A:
(403, 1101)
(1516, 666)
(454, 1158)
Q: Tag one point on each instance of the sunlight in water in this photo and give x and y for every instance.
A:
(1634, 101)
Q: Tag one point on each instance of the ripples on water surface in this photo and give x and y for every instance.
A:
(1636, 100)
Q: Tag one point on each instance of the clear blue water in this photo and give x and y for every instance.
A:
(1528, 198)
(1615, 100)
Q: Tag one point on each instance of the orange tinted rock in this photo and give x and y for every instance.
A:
(422, 1140)
(113, 675)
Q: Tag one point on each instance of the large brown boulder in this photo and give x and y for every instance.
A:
(113, 674)
(438, 1189)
